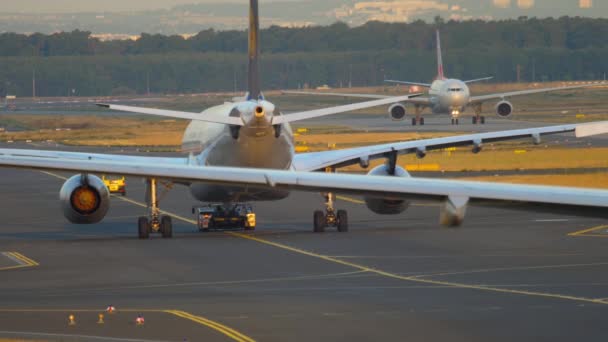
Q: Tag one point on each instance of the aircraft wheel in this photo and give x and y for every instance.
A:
(342, 221)
(474, 120)
(166, 227)
(413, 121)
(483, 120)
(452, 121)
(319, 222)
(421, 121)
(143, 226)
(457, 122)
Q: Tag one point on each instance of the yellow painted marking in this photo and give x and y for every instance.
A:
(415, 279)
(351, 200)
(224, 330)
(227, 331)
(589, 230)
(25, 261)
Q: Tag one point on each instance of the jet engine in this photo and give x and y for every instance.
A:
(84, 199)
(504, 109)
(397, 112)
(387, 206)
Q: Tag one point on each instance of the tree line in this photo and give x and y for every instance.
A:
(562, 33)
(531, 49)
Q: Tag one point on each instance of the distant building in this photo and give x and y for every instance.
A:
(502, 3)
(525, 4)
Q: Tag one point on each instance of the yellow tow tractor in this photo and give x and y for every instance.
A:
(115, 184)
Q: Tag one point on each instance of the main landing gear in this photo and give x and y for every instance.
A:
(418, 120)
(455, 121)
(478, 118)
(154, 222)
(331, 217)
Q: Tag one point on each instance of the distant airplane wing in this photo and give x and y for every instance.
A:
(479, 79)
(363, 96)
(413, 98)
(454, 194)
(340, 158)
(426, 85)
(221, 119)
(279, 119)
(482, 98)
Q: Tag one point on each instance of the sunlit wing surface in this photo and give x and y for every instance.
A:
(481, 98)
(594, 202)
(206, 117)
(62, 155)
(340, 158)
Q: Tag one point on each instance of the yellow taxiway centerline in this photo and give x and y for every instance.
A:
(414, 279)
(590, 230)
(233, 334)
(19, 258)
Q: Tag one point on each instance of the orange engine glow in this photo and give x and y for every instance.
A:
(85, 200)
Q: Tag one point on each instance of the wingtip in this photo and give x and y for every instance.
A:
(102, 105)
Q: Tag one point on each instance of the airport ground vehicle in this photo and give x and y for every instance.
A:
(218, 216)
(115, 184)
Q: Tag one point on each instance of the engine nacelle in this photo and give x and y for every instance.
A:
(397, 112)
(504, 109)
(84, 199)
(387, 206)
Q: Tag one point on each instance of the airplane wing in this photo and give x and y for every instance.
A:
(409, 83)
(454, 194)
(482, 98)
(413, 98)
(340, 158)
(479, 79)
(363, 96)
(292, 117)
(80, 156)
(221, 119)
(276, 120)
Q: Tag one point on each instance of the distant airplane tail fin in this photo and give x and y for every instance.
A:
(253, 86)
(440, 74)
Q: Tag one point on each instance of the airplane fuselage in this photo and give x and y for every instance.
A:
(449, 96)
(254, 146)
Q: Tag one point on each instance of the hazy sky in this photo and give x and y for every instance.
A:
(99, 6)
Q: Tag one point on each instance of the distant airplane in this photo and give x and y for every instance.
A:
(447, 96)
(244, 151)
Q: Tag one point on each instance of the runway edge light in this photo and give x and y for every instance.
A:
(71, 320)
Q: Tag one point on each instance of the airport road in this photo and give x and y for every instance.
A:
(503, 276)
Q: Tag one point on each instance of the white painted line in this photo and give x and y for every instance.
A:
(552, 220)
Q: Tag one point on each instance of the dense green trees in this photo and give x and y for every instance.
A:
(548, 49)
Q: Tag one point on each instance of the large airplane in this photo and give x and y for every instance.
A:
(447, 96)
(244, 151)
